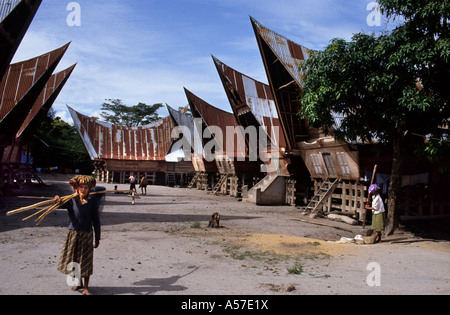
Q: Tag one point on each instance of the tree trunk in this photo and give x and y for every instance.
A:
(395, 185)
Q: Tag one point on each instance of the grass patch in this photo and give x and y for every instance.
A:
(196, 225)
(270, 258)
(297, 269)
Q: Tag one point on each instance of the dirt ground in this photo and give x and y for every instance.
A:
(162, 246)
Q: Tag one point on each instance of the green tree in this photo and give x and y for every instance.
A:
(380, 89)
(129, 116)
(423, 46)
(58, 144)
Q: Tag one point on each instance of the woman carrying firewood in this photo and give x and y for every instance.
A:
(378, 212)
(84, 223)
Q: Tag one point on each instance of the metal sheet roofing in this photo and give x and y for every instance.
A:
(249, 95)
(21, 76)
(15, 18)
(6, 6)
(213, 116)
(44, 102)
(21, 87)
(288, 52)
(180, 119)
(107, 141)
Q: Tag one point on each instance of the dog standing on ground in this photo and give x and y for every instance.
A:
(215, 221)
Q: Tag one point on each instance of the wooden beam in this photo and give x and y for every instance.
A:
(286, 85)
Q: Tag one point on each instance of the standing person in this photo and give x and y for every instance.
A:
(378, 212)
(143, 185)
(132, 182)
(84, 222)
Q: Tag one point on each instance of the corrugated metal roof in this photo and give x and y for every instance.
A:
(6, 6)
(255, 97)
(107, 141)
(199, 162)
(21, 87)
(180, 119)
(213, 116)
(15, 18)
(44, 101)
(282, 58)
(21, 76)
(288, 52)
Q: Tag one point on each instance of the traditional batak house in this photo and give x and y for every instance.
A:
(253, 106)
(222, 135)
(23, 91)
(330, 164)
(117, 151)
(339, 170)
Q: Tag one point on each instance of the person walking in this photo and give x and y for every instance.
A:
(84, 232)
(132, 180)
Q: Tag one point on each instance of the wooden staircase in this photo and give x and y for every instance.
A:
(194, 180)
(219, 184)
(322, 195)
(35, 176)
(19, 173)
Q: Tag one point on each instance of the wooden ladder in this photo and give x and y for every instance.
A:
(219, 184)
(194, 180)
(322, 195)
(35, 176)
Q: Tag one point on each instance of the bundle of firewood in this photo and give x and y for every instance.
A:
(51, 206)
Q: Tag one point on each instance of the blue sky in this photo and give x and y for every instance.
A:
(148, 50)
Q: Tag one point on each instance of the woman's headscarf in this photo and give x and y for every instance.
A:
(373, 188)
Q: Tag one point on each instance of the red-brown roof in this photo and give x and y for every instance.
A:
(107, 141)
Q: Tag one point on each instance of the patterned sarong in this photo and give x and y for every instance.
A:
(78, 248)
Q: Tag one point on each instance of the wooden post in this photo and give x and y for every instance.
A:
(367, 202)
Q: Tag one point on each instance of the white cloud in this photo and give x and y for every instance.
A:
(147, 51)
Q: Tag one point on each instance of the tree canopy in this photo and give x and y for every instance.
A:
(386, 87)
(58, 144)
(129, 116)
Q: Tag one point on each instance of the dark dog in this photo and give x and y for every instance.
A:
(215, 221)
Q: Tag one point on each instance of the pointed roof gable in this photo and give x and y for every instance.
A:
(21, 86)
(181, 119)
(213, 116)
(281, 58)
(15, 18)
(290, 54)
(44, 103)
(251, 100)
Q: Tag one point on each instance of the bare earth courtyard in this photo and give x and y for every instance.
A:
(162, 246)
